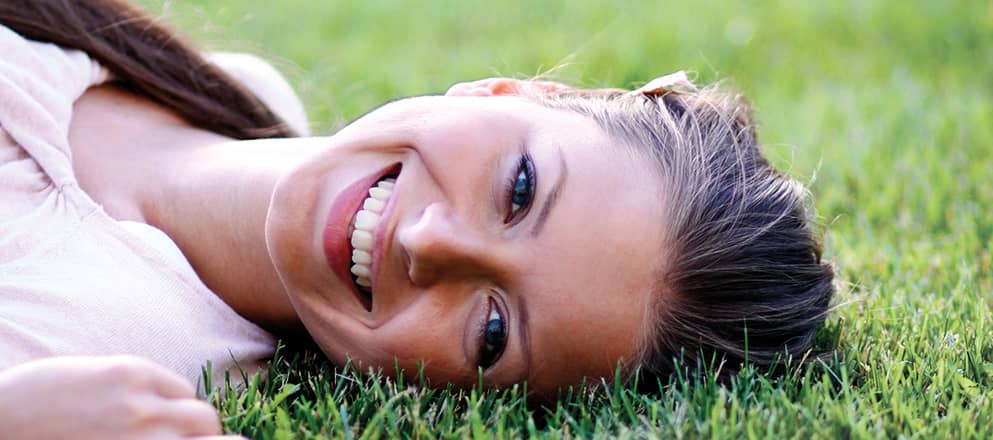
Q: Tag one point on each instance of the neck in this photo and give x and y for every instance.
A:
(208, 193)
(213, 201)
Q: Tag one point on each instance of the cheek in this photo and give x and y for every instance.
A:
(428, 333)
(422, 330)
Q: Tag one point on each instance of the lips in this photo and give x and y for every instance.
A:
(338, 234)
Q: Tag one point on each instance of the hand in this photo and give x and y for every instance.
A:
(506, 86)
(120, 397)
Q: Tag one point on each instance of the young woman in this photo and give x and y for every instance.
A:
(155, 203)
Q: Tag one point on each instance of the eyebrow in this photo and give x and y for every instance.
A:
(553, 196)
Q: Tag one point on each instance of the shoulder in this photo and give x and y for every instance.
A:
(267, 83)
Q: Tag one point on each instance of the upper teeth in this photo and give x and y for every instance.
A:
(365, 223)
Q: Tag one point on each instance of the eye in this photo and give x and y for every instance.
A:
(520, 189)
(493, 336)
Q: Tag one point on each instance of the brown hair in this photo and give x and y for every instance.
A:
(148, 58)
(743, 278)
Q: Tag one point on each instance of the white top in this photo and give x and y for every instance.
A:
(73, 280)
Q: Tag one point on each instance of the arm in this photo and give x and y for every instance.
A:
(262, 79)
(121, 397)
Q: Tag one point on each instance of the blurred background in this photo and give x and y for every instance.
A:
(884, 107)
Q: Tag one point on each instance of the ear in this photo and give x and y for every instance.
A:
(504, 86)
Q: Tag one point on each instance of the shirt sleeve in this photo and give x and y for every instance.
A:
(39, 82)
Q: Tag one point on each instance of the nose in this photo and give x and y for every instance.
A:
(439, 246)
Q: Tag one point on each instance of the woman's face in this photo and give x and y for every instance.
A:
(513, 237)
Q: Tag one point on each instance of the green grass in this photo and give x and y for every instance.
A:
(886, 108)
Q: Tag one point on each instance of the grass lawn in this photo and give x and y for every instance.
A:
(886, 108)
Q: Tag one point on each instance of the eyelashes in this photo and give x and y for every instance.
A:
(492, 335)
(520, 189)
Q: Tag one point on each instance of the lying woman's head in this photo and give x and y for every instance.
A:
(540, 233)
(524, 229)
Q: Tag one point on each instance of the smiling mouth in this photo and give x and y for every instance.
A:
(362, 235)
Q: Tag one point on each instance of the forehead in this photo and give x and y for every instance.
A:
(596, 259)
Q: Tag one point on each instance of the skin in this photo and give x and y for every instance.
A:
(250, 215)
(125, 398)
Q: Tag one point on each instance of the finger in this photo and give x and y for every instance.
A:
(190, 417)
(219, 437)
(164, 381)
(468, 89)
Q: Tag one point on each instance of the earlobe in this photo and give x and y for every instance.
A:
(505, 86)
